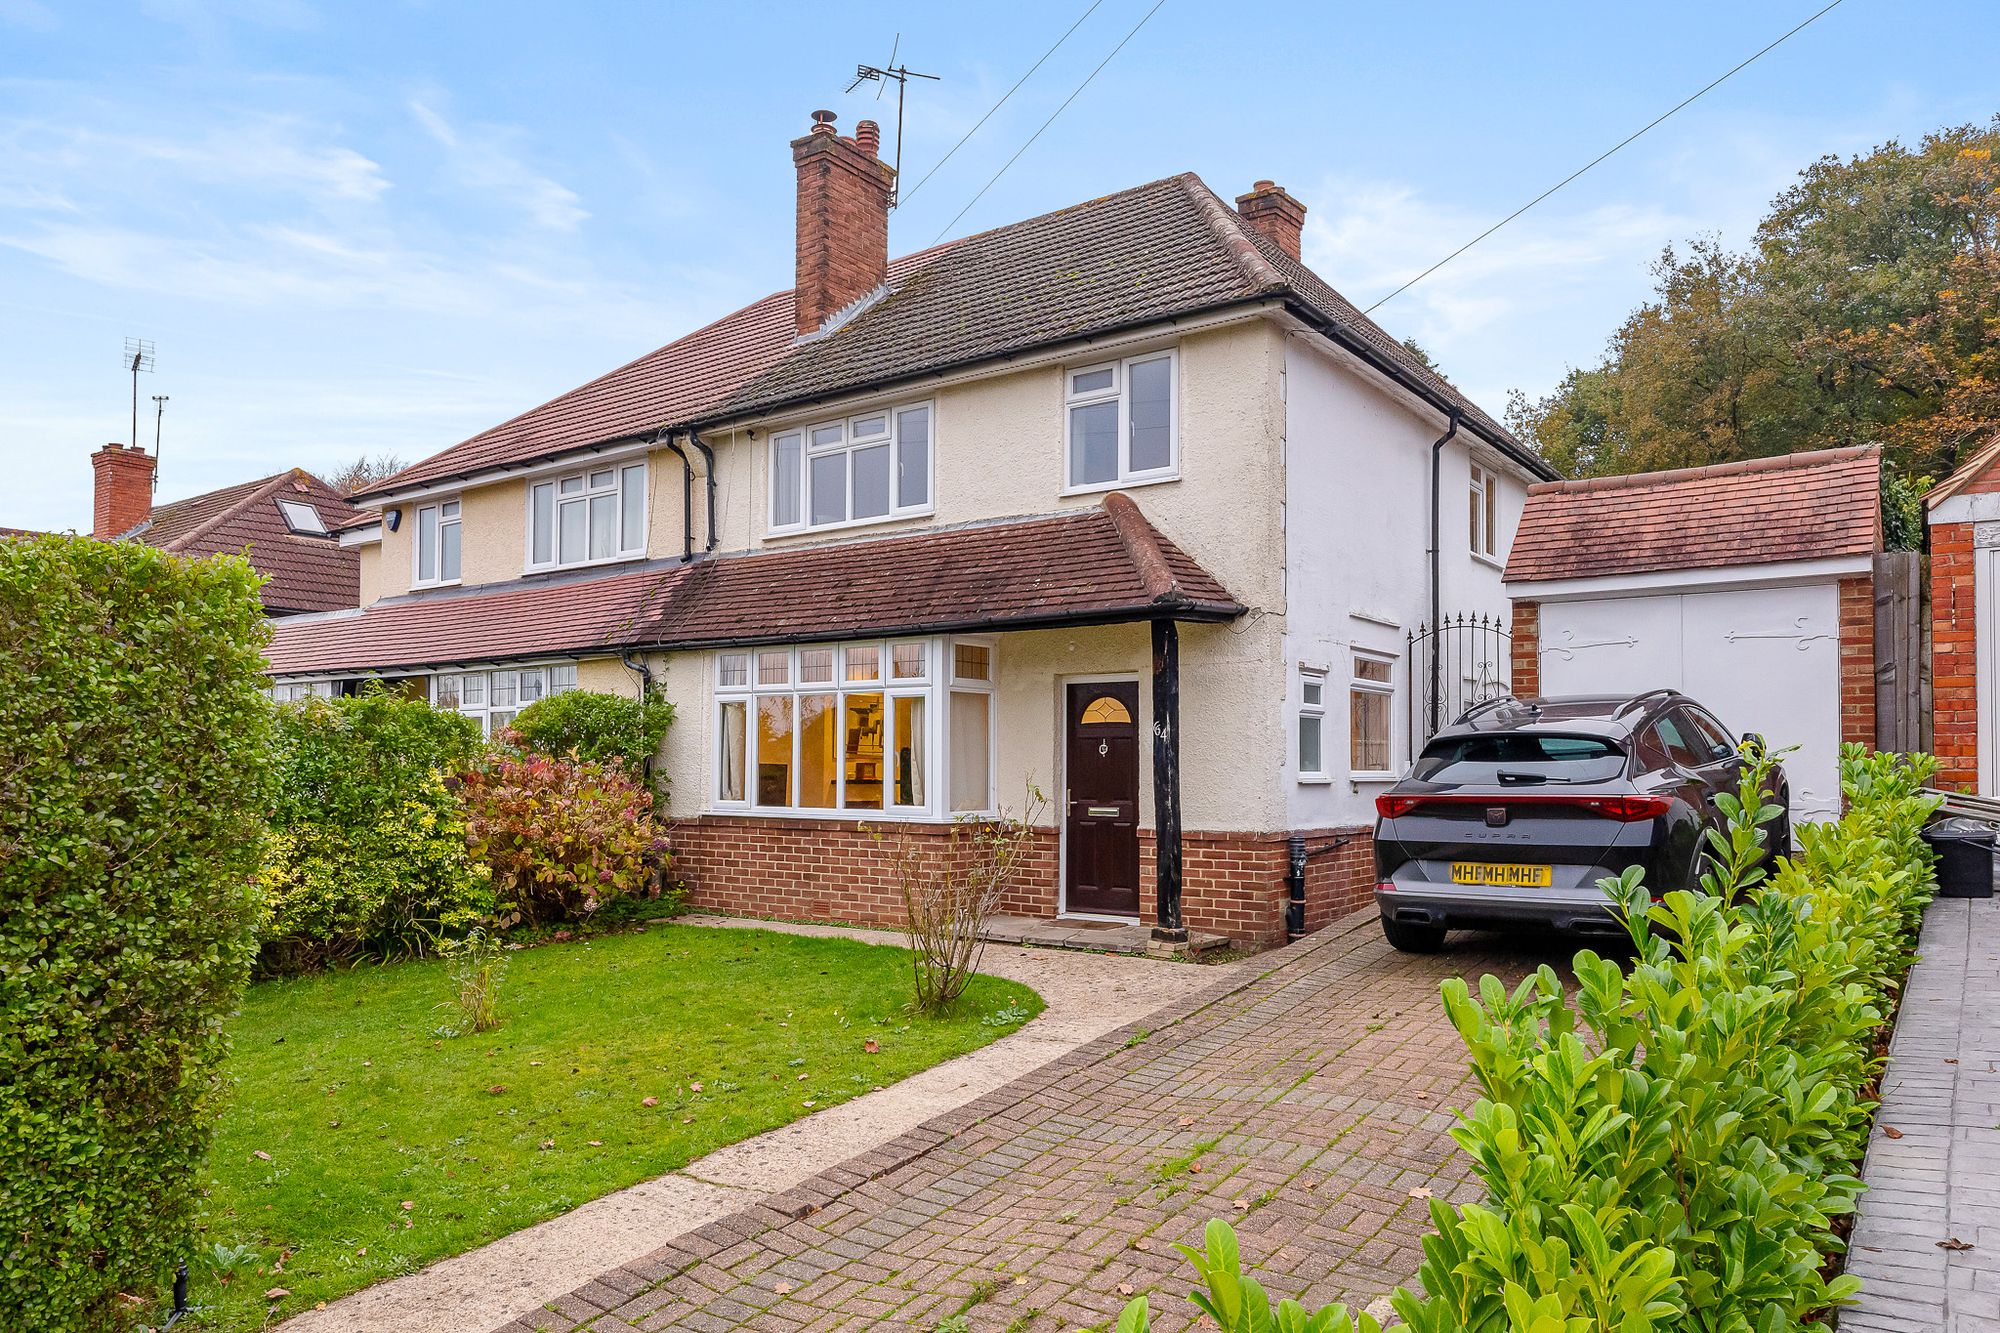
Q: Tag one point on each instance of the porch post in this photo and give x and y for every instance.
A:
(1167, 780)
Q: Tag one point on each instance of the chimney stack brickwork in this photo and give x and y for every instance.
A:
(843, 219)
(123, 492)
(1272, 211)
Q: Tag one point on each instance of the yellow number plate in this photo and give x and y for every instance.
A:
(1485, 872)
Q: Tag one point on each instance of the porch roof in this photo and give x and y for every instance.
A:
(1090, 566)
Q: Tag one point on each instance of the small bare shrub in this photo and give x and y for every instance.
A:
(478, 964)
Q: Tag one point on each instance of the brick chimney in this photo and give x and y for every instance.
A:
(1279, 216)
(843, 222)
(124, 490)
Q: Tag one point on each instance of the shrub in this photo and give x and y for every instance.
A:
(135, 764)
(368, 849)
(478, 965)
(1685, 1163)
(596, 728)
(561, 838)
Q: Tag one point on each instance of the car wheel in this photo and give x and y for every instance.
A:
(1412, 937)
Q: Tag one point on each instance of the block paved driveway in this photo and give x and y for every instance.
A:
(1305, 1103)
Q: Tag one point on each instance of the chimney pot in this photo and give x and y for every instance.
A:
(842, 219)
(1275, 213)
(122, 494)
(823, 122)
(868, 138)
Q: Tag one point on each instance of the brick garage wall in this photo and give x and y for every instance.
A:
(1526, 651)
(1233, 884)
(1954, 661)
(1857, 660)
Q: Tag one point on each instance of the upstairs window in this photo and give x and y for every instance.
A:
(1483, 512)
(587, 518)
(437, 543)
(860, 470)
(1122, 421)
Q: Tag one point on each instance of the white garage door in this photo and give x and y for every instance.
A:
(1763, 659)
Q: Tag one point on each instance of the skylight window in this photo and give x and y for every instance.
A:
(302, 517)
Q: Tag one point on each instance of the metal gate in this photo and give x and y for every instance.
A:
(1460, 661)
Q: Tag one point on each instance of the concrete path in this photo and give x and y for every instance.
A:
(1926, 1240)
(1307, 1097)
(1087, 995)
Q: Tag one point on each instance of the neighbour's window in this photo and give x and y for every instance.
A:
(302, 517)
(855, 727)
(286, 692)
(1483, 512)
(437, 543)
(1122, 420)
(1370, 696)
(495, 697)
(868, 467)
(587, 517)
(1312, 723)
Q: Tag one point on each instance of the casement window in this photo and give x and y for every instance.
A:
(495, 697)
(864, 469)
(1483, 514)
(1312, 723)
(1122, 421)
(856, 727)
(437, 543)
(286, 692)
(587, 518)
(1370, 704)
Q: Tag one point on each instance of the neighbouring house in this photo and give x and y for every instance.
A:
(1750, 586)
(285, 524)
(1122, 503)
(1963, 517)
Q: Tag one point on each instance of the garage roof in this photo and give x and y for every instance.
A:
(1806, 506)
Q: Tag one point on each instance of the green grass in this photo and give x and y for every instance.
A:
(361, 1106)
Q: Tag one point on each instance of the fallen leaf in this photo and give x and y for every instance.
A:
(1312, 1184)
(1421, 1192)
(1124, 1288)
(808, 1102)
(360, 1252)
(694, 1087)
(367, 1064)
(1195, 1168)
(1142, 1244)
(1891, 1132)
(1953, 1244)
(408, 1224)
(596, 1143)
(319, 1305)
(783, 1289)
(408, 1204)
(871, 1046)
(277, 1294)
(1186, 1120)
(548, 1144)
(687, 1120)
(261, 1155)
(649, 1101)
(534, 1062)
(1241, 1205)
(1950, 1061)
(1021, 1280)
(497, 1089)
(804, 1077)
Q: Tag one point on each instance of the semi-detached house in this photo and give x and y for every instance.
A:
(1122, 503)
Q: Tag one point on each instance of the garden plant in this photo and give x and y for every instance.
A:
(597, 728)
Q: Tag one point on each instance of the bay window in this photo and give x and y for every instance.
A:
(495, 697)
(437, 543)
(860, 470)
(854, 727)
(1122, 421)
(589, 517)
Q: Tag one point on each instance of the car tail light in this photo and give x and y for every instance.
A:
(1387, 886)
(1627, 809)
(1389, 806)
(1624, 809)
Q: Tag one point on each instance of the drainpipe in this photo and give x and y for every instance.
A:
(637, 666)
(1295, 887)
(1437, 662)
(666, 437)
(708, 461)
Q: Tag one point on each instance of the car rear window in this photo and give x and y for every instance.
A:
(1526, 758)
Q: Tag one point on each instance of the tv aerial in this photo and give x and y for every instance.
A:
(881, 76)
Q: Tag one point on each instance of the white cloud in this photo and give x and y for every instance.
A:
(483, 159)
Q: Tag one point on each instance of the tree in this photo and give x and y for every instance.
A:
(364, 471)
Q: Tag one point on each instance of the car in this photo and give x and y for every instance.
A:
(1512, 814)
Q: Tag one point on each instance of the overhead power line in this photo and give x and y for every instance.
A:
(1689, 100)
(1052, 120)
(1003, 100)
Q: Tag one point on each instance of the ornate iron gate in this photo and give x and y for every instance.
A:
(1460, 661)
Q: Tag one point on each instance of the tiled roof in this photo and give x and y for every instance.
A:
(1166, 249)
(1089, 566)
(1806, 506)
(303, 573)
(1965, 474)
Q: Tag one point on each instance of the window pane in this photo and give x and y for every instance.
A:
(786, 452)
(632, 509)
(1093, 444)
(815, 666)
(1310, 760)
(570, 545)
(913, 458)
(864, 662)
(1371, 668)
(971, 784)
(1474, 510)
(444, 693)
(543, 524)
(498, 722)
(910, 712)
(1092, 381)
(449, 508)
(829, 488)
(971, 661)
(1370, 731)
(906, 661)
(503, 689)
(732, 669)
(603, 526)
(867, 428)
(861, 751)
(600, 481)
(730, 767)
(774, 750)
(532, 685)
(1491, 505)
(1152, 390)
(1314, 692)
(824, 436)
(871, 481)
(562, 678)
(472, 690)
(572, 485)
(427, 525)
(819, 717)
(448, 551)
(774, 668)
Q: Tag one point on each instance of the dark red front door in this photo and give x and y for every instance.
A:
(1101, 815)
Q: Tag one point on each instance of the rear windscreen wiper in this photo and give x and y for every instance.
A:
(1506, 775)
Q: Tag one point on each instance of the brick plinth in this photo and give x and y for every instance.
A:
(1526, 649)
(835, 870)
(1954, 658)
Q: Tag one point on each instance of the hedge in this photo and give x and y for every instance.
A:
(1672, 1145)
(134, 772)
(596, 727)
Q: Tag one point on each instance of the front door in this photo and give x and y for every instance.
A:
(1101, 810)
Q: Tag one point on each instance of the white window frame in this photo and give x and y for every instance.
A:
(553, 676)
(450, 513)
(1119, 391)
(847, 444)
(619, 468)
(1311, 677)
(936, 686)
(1356, 684)
(292, 691)
(1482, 534)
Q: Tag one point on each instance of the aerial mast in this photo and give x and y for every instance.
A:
(881, 75)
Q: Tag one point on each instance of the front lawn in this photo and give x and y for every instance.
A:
(359, 1144)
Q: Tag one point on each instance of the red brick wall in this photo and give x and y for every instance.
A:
(832, 870)
(842, 221)
(1527, 649)
(1954, 660)
(123, 496)
(1857, 660)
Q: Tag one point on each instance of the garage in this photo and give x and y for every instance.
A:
(1747, 586)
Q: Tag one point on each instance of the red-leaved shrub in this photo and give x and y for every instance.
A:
(562, 838)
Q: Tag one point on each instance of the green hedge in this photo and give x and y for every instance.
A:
(134, 773)
(1680, 1161)
(595, 728)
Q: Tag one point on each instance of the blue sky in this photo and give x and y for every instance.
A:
(380, 227)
